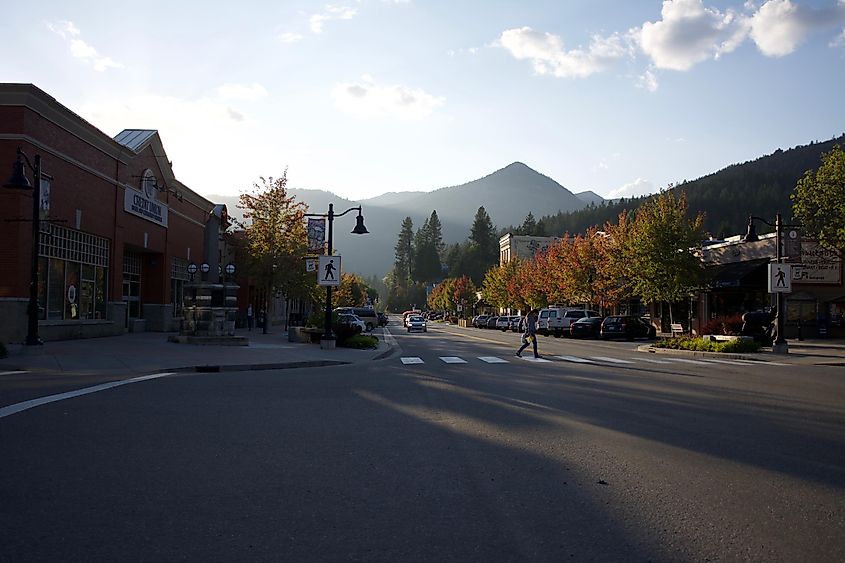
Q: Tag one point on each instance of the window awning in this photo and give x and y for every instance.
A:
(750, 274)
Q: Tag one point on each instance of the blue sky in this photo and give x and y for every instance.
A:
(364, 97)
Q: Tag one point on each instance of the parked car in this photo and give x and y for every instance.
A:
(480, 321)
(556, 320)
(588, 327)
(504, 323)
(353, 321)
(628, 327)
(366, 314)
(515, 322)
(415, 322)
(491, 322)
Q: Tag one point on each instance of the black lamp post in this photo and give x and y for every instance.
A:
(359, 229)
(780, 344)
(19, 181)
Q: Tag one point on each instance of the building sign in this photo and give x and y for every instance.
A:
(818, 265)
(145, 206)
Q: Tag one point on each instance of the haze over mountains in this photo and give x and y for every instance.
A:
(727, 198)
(508, 195)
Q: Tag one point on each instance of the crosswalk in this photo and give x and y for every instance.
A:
(596, 360)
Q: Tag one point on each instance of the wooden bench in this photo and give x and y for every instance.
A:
(677, 328)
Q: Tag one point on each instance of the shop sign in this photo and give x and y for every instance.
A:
(818, 265)
(145, 205)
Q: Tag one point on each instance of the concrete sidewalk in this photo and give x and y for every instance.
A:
(801, 352)
(150, 352)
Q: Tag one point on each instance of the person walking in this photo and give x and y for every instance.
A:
(529, 334)
(249, 317)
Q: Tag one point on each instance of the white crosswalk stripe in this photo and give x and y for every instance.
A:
(611, 360)
(686, 361)
(535, 360)
(453, 360)
(410, 360)
(651, 360)
(575, 359)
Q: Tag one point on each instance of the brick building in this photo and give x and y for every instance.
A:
(118, 229)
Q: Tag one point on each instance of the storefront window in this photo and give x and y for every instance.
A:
(71, 290)
(100, 293)
(73, 274)
(837, 314)
(42, 288)
(56, 289)
(177, 295)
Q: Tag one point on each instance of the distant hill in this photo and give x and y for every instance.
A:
(507, 195)
(590, 197)
(759, 187)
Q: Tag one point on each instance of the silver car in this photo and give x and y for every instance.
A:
(416, 322)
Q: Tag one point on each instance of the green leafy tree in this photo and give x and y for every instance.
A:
(819, 201)
(661, 250)
(275, 241)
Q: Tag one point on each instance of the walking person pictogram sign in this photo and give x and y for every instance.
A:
(328, 272)
(780, 278)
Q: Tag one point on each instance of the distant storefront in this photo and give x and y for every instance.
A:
(737, 282)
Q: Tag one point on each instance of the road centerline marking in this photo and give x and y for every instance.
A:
(26, 405)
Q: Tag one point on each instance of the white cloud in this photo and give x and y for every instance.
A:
(366, 99)
(648, 81)
(249, 92)
(290, 37)
(548, 56)
(331, 12)
(779, 26)
(80, 49)
(689, 33)
(633, 189)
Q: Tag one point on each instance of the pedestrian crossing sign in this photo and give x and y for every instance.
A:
(780, 278)
(328, 272)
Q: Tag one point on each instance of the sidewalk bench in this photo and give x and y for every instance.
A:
(677, 328)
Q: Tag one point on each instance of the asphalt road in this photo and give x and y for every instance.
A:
(436, 454)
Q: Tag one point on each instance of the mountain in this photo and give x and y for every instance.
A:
(507, 195)
(590, 197)
(391, 198)
(759, 187)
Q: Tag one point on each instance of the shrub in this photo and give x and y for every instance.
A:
(738, 346)
(730, 325)
(359, 341)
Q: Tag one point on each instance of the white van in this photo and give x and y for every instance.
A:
(556, 320)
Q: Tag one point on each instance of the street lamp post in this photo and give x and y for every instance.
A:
(19, 181)
(779, 345)
(359, 229)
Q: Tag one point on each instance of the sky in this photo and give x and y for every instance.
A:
(363, 97)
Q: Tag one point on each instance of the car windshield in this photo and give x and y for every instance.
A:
(415, 319)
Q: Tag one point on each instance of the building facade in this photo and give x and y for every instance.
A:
(118, 230)
(522, 246)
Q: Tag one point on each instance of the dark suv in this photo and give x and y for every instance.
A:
(627, 327)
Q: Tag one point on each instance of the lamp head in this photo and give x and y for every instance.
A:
(359, 229)
(18, 179)
(751, 234)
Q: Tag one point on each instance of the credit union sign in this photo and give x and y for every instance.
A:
(144, 206)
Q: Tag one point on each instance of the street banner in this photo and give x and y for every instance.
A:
(329, 271)
(316, 235)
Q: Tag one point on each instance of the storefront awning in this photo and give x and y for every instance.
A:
(750, 274)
